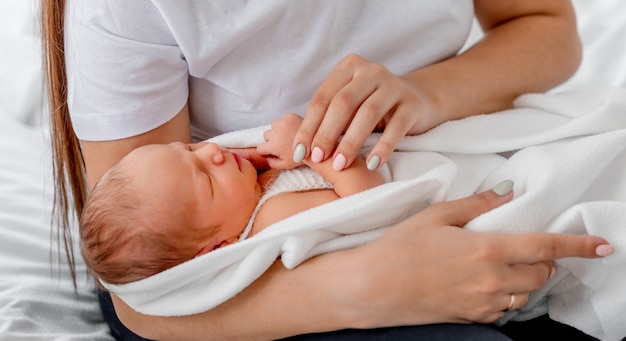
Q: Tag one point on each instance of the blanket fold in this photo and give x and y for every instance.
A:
(567, 158)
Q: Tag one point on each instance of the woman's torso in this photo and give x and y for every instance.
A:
(241, 63)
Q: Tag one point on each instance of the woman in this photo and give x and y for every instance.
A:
(161, 71)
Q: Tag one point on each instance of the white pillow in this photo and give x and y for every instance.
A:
(21, 85)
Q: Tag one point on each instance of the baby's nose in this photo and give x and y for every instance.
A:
(209, 151)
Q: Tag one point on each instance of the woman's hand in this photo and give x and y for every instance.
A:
(436, 272)
(278, 146)
(357, 98)
(528, 46)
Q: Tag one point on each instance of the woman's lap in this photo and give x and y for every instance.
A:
(434, 332)
(443, 332)
(527, 330)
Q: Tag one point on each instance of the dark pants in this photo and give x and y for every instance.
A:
(538, 329)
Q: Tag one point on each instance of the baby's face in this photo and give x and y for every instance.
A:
(197, 187)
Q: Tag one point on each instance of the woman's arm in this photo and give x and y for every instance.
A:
(414, 274)
(100, 156)
(529, 46)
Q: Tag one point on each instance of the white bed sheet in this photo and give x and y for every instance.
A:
(37, 301)
(37, 297)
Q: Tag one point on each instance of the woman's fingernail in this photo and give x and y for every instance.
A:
(373, 162)
(503, 188)
(339, 162)
(604, 250)
(317, 154)
(552, 272)
(298, 153)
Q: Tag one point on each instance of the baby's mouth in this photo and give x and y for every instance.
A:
(238, 160)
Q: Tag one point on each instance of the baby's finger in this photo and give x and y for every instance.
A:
(254, 156)
(277, 163)
(264, 149)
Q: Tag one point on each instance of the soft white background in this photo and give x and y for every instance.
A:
(37, 300)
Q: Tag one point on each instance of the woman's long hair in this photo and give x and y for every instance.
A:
(68, 165)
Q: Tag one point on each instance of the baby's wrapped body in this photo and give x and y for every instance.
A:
(568, 162)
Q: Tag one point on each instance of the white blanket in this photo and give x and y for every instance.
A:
(569, 177)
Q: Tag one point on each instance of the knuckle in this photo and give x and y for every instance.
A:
(538, 282)
(377, 69)
(351, 60)
(319, 102)
(442, 208)
(540, 277)
(277, 124)
(324, 141)
(402, 123)
(370, 111)
(522, 299)
(348, 147)
(547, 250)
(305, 133)
(491, 286)
(483, 200)
(343, 101)
(488, 252)
(385, 145)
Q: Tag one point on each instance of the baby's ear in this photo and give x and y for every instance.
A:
(231, 240)
(206, 249)
(212, 247)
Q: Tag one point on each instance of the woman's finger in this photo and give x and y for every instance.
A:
(536, 247)
(459, 212)
(318, 106)
(395, 130)
(371, 112)
(524, 278)
(514, 301)
(345, 107)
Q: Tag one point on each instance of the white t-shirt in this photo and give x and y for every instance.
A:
(133, 64)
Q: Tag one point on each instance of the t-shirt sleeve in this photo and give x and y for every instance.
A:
(126, 73)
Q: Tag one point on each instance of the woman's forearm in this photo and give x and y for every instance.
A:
(410, 275)
(529, 46)
(309, 298)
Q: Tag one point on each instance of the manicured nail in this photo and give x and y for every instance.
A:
(317, 154)
(503, 188)
(298, 153)
(552, 272)
(339, 162)
(604, 250)
(373, 162)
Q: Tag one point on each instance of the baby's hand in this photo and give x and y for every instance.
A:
(252, 155)
(278, 145)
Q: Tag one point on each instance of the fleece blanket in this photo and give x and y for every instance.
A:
(566, 153)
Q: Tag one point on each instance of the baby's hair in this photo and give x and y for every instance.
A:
(117, 243)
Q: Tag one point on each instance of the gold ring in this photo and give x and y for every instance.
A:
(511, 303)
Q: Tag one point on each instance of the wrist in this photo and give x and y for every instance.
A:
(434, 102)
